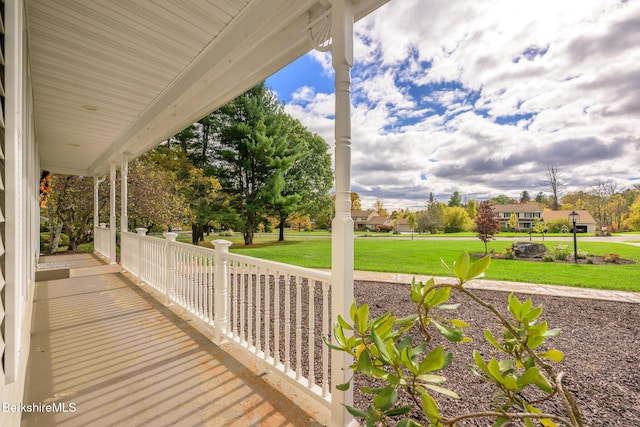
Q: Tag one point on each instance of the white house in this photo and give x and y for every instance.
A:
(89, 85)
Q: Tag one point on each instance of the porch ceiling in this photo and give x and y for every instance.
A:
(112, 77)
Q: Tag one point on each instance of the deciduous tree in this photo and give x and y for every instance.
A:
(487, 223)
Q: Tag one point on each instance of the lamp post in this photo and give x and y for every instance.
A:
(573, 216)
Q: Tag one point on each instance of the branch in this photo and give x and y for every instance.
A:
(510, 415)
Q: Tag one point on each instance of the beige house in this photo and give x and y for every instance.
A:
(369, 220)
(527, 213)
(584, 221)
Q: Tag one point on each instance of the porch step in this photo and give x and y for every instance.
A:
(94, 270)
(52, 271)
(73, 265)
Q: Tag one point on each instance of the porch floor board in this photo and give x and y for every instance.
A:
(123, 359)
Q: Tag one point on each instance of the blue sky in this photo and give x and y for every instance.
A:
(482, 97)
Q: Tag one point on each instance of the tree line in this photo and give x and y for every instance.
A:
(611, 207)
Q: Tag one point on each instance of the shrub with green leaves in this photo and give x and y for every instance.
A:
(382, 350)
(561, 252)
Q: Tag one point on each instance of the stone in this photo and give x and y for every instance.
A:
(529, 249)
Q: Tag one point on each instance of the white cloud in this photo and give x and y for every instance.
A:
(480, 97)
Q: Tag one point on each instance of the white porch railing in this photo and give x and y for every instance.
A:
(276, 312)
(102, 240)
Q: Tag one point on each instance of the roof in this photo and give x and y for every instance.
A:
(117, 78)
(359, 213)
(584, 217)
(518, 207)
(378, 220)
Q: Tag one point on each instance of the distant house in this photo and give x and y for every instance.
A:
(525, 212)
(369, 220)
(528, 212)
(402, 226)
(584, 222)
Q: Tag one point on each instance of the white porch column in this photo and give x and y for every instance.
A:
(124, 173)
(220, 289)
(112, 214)
(96, 199)
(342, 226)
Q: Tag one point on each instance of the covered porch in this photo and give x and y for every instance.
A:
(108, 353)
(92, 86)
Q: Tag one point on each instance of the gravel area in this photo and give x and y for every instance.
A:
(600, 340)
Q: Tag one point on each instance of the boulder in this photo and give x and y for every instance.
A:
(529, 249)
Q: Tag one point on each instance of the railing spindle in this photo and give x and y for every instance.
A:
(325, 333)
(298, 327)
(311, 334)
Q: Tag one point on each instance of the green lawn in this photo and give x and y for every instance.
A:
(423, 257)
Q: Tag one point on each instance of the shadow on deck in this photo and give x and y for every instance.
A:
(111, 355)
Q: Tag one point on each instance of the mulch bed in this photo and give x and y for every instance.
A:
(600, 340)
(595, 259)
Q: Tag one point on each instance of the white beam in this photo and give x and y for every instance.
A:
(342, 226)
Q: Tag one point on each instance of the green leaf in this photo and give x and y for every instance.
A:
(364, 363)
(338, 333)
(405, 357)
(383, 354)
(432, 378)
(452, 334)
(459, 323)
(515, 306)
(490, 338)
(434, 361)
(362, 318)
(461, 266)
(446, 267)
(510, 383)
(478, 268)
(494, 370)
(529, 376)
(443, 390)
(533, 314)
(430, 407)
(352, 311)
(477, 357)
(552, 332)
(359, 413)
(398, 411)
(386, 398)
(543, 383)
(331, 346)
(344, 386)
(344, 324)
(555, 355)
(418, 350)
(438, 296)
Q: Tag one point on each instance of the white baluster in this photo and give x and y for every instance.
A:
(258, 309)
(325, 333)
(243, 303)
(298, 327)
(276, 326)
(250, 288)
(311, 334)
(287, 324)
(267, 313)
